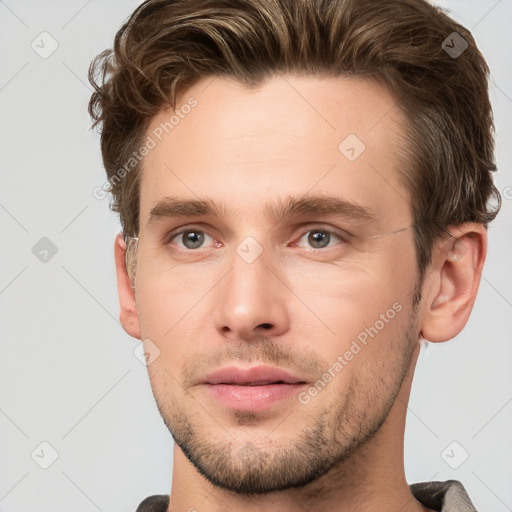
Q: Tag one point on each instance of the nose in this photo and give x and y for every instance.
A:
(252, 301)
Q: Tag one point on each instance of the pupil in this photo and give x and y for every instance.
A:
(193, 239)
(318, 237)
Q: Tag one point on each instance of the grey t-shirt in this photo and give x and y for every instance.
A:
(449, 496)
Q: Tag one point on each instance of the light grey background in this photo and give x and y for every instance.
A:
(68, 375)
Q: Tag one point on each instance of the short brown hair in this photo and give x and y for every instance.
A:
(166, 46)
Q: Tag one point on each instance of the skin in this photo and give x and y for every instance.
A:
(295, 306)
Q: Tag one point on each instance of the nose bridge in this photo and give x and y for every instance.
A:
(252, 295)
(252, 267)
(252, 277)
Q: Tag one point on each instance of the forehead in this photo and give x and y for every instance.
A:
(289, 136)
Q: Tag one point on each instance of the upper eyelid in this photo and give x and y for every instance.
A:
(342, 236)
(179, 231)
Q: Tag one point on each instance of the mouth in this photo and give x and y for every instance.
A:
(252, 389)
(255, 383)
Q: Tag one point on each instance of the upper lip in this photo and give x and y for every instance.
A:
(255, 376)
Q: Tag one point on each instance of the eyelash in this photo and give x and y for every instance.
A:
(344, 239)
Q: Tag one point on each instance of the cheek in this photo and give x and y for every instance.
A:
(345, 298)
(359, 330)
(166, 300)
(358, 317)
(166, 316)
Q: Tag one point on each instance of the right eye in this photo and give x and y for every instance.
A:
(190, 239)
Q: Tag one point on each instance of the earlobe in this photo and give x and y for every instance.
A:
(128, 308)
(453, 281)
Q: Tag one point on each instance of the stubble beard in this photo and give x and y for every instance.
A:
(324, 441)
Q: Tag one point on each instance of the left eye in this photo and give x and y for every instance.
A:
(320, 238)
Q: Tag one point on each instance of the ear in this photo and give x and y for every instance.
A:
(452, 283)
(128, 315)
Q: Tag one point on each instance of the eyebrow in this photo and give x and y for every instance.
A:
(174, 207)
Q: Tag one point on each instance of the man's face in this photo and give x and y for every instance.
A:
(283, 340)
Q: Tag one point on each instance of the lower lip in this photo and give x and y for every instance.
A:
(253, 398)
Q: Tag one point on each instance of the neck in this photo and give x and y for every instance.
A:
(371, 479)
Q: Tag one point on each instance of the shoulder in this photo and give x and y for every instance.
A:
(157, 503)
(449, 496)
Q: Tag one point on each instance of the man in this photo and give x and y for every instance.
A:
(303, 189)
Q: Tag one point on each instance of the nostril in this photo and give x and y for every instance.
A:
(266, 326)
